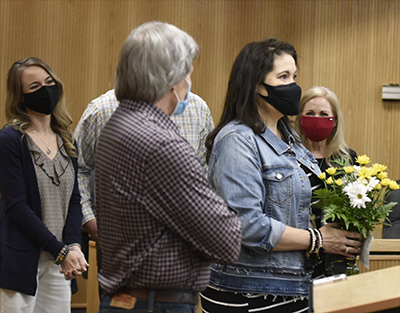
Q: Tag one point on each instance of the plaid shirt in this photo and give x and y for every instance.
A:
(196, 123)
(160, 223)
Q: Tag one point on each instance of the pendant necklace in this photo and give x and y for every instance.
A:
(48, 151)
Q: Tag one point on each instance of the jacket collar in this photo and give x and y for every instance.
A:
(278, 145)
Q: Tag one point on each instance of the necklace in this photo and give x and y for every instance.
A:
(48, 151)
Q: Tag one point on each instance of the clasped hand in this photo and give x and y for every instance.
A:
(74, 264)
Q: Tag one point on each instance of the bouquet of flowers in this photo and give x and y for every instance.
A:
(356, 200)
(354, 197)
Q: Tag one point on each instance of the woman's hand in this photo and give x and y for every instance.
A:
(74, 264)
(339, 241)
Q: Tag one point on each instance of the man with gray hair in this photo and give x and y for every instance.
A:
(159, 222)
(195, 124)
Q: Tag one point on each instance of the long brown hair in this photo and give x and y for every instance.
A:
(15, 109)
(249, 69)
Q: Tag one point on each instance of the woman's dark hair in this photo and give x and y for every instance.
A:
(251, 66)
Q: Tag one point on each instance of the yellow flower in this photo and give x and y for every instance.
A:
(363, 159)
(329, 181)
(348, 169)
(379, 167)
(322, 176)
(373, 171)
(338, 182)
(393, 185)
(366, 172)
(382, 175)
(378, 187)
(331, 170)
(385, 182)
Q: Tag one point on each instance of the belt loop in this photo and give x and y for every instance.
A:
(150, 305)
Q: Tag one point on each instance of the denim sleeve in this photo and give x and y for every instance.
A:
(236, 174)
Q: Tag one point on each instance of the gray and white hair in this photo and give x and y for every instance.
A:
(154, 58)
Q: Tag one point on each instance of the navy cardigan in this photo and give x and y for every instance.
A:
(22, 232)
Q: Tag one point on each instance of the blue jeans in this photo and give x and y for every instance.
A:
(142, 306)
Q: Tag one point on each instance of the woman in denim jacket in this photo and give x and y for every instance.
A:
(258, 165)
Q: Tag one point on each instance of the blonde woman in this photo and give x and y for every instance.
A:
(40, 212)
(321, 129)
(321, 126)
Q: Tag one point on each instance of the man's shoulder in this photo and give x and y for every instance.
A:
(137, 135)
(105, 102)
(197, 103)
(99, 110)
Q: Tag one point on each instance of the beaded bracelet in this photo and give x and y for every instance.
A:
(62, 255)
(313, 239)
(316, 241)
(320, 240)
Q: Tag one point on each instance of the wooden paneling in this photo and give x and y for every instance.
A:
(377, 262)
(383, 253)
(349, 46)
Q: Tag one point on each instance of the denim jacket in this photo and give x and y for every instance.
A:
(260, 177)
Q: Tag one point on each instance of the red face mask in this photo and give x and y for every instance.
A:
(317, 128)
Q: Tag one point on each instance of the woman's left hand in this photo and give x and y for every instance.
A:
(338, 241)
(74, 264)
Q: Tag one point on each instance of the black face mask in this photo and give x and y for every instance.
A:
(44, 100)
(284, 98)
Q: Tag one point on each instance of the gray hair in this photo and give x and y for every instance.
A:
(154, 58)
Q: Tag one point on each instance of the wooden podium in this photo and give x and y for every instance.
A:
(368, 292)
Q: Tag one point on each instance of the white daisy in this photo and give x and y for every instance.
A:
(372, 183)
(357, 194)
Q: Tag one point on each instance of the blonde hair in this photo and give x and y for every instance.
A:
(336, 145)
(15, 109)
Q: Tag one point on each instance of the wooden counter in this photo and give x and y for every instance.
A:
(368, 292)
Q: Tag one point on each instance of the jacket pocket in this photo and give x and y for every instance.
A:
(279, 184)
(16, 259)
